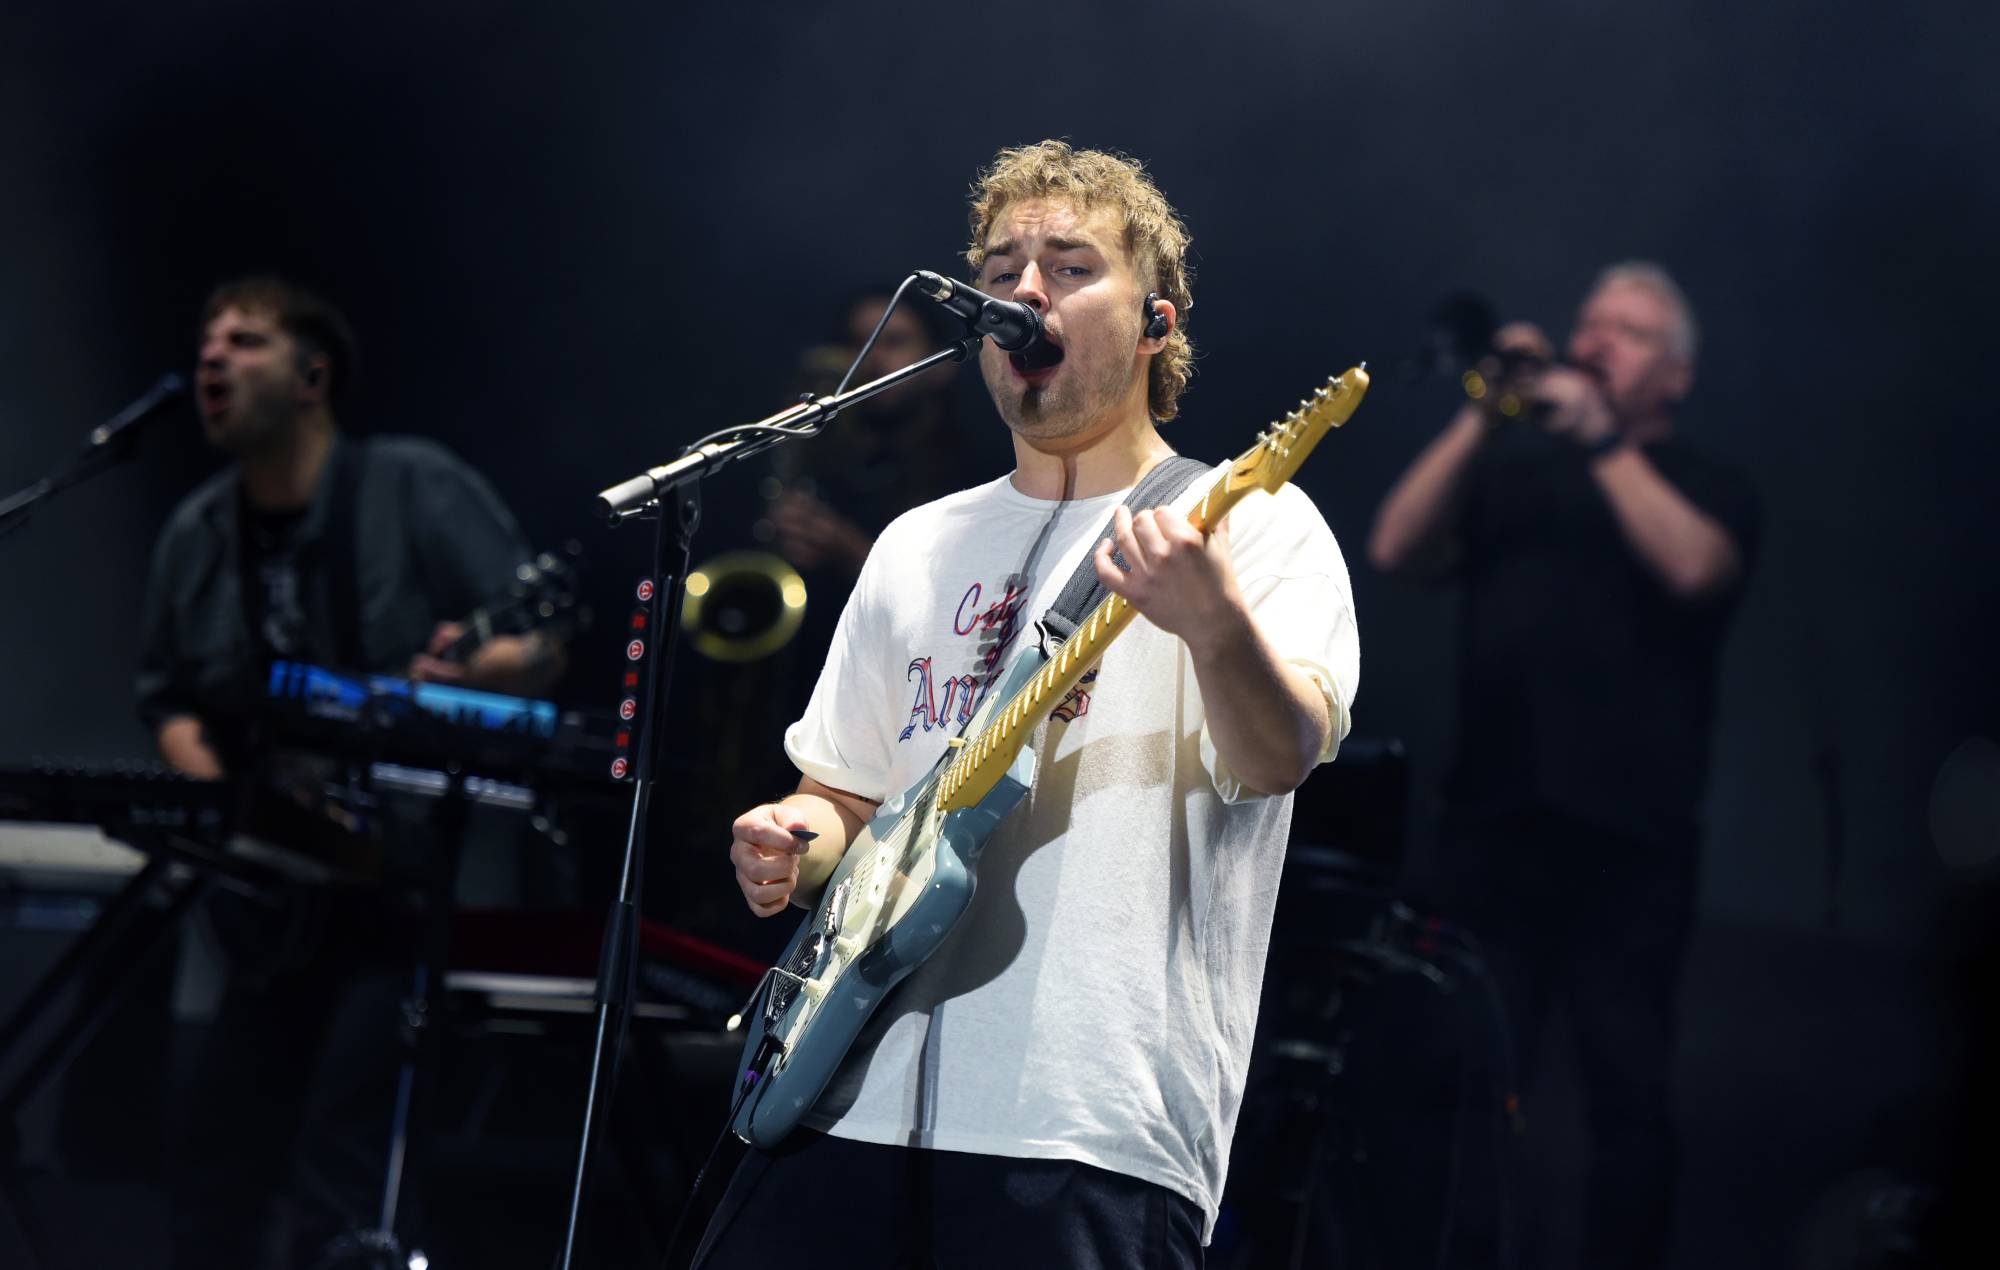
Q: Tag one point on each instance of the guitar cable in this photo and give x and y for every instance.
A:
(752, 1075)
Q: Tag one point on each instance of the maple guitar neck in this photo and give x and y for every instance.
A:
(981, 760)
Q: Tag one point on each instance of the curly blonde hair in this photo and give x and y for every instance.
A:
(1154, 235)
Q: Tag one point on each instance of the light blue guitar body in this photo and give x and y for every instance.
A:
(894, 898)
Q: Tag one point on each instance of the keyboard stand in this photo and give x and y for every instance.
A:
(128, 931)
(422, 1033)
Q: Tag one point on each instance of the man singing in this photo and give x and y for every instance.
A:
(1059, 1084)
(317, 546)
(312, 545)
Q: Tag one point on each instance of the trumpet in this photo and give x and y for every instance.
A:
(746, 605)
(1460, 342)
(1499, 382)
(743, 606)
(1496, 382)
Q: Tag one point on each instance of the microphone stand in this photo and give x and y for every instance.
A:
(109, 443)
(638, 498)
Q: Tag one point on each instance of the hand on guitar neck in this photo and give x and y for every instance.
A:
(521, 665)
(514, 645)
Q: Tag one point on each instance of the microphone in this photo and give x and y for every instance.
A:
(1011, 326)
(170, 388)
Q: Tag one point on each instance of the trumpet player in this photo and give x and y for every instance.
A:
(1601, 557)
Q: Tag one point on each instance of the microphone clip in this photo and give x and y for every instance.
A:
(1012, 326)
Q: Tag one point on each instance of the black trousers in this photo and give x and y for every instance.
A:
(830, 1203)
(1594, 923)
(280, 1138)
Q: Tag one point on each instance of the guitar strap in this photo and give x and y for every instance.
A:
(343, 566)
(1083, 592)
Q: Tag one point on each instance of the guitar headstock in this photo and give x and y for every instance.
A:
(543, 595)
(545, 591)
(1281, 448)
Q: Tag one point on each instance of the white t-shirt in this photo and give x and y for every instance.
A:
(1096, 1002)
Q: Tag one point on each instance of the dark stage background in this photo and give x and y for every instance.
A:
(573, 238)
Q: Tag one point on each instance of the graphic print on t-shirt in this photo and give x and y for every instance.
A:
(1076, 702)
(944, 700)
(947, 700)
(283, 612)
(276, 579)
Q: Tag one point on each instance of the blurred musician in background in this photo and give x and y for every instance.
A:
(879, 457)
(825, 500)
(359, 554)
(312, 545)
(1601, 558)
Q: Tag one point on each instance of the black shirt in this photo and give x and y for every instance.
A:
(430, 542)
(1585, 687)
(275, 576)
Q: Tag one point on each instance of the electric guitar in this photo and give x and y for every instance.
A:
(541, 596)
(909, 875)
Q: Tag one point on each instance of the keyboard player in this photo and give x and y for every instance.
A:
(313, 545)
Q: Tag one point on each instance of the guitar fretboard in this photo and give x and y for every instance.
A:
(985, 757)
